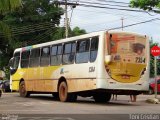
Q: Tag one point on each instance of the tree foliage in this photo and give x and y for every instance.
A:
(77, 31)
(30, 24)
(6, 6)
(145, 4)
(60, 33)
(35, 22)
(9, 5)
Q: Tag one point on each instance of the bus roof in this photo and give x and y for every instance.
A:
(76, 38)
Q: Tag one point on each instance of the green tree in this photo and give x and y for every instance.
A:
(35, 22)
(146, 4)
(60, 33)
(9, 5)
(6, 6)
(31, 24)
(77, 31)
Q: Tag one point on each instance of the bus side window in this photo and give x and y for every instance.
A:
(25, 59)
(56, 55)
(94, 49)
(69, 53)
(34, 57)
(45, 56)
(16, 60)
(82, 55)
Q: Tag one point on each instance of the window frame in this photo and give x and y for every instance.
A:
(16, 61)
(91, 50)
(48, 56)
(71, 52)
(28, 58)
(58, 54)
(32, 58)
(87, 50)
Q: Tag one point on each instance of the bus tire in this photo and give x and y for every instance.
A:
(102, 98)
(22, 90)
(64, 96)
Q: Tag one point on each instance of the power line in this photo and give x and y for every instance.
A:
(42, 37)
(105, 7)
(120, 27)
(114, 2)
(103, 4)
(94, 4)
(116, 14)
(106, 1)
(123, 9)
(71, 16)
(32, 28)
(135, 24)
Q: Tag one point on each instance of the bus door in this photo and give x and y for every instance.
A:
(128, 57)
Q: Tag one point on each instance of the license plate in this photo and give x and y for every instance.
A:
(125, 76)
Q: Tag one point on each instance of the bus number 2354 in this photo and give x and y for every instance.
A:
(140, 60)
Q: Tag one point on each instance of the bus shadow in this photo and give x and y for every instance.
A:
(41, 97)
(83, 101)
(110, 103)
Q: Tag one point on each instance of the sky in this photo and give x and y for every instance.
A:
(96, 19)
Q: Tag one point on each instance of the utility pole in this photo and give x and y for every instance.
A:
(65, 3)
(122, 23)
(66, 19)
(155, 75)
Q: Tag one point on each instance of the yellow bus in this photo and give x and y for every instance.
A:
(96, 64)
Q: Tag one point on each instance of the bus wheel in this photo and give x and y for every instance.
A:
(22, 90)
(102, 98)
(64, 96)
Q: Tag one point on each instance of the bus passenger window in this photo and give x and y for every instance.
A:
(34, 57)
(82, 55)
(25, 59)
(69, 53)
(56, 55)
(93, 49)
(45, 56)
